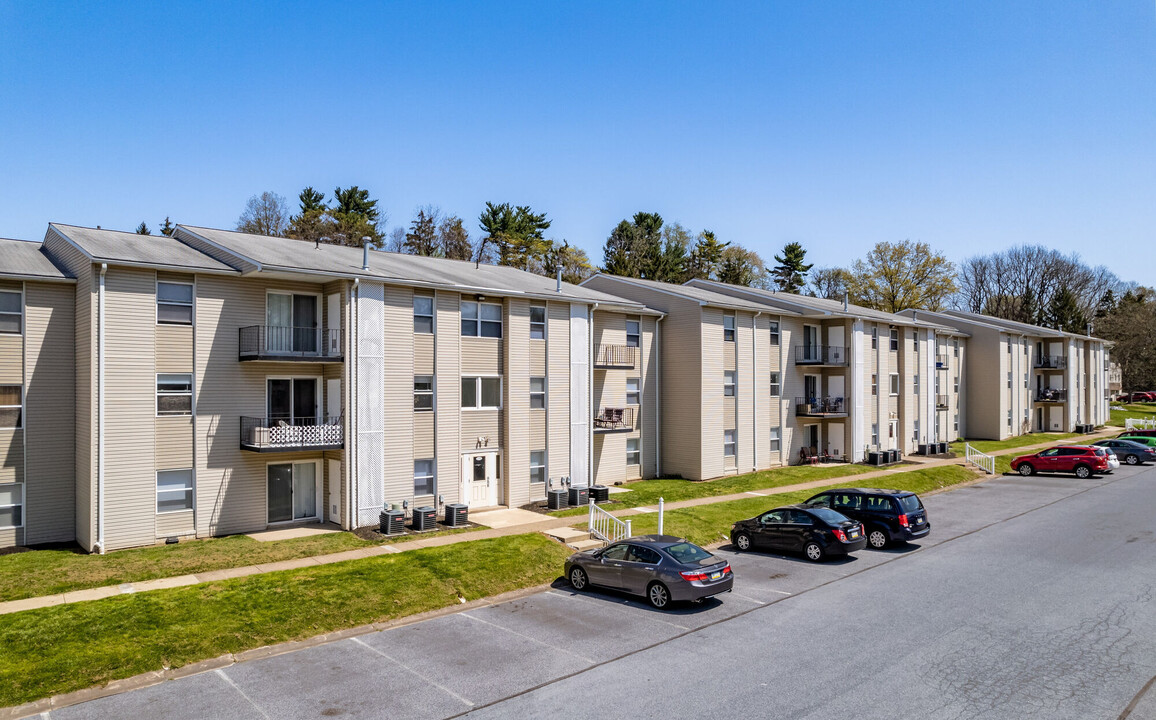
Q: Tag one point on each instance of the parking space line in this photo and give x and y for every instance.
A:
(235, 686)
(624, 603)
(749, 492)
(528, 637)
(410, 670)
(744, 597)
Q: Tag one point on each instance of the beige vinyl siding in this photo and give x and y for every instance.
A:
(423, 435)
(481, 429)
(423, 353)
(50, 413)
(174, 354)
(538, 358)
(11, 456)
(745, 392)
(516, 333)
(174, 348)
(558, 390)
(711, 396)
(448, 395)
(175, 524)
(11, 359)
(130, 409)
(174, 442)
(649, 384)
(769, 412)
(399, 414)
(791, 337)
(482, 356)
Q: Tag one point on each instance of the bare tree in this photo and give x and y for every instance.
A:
(828, 283)
(265, 214)
(396, 241)
(454, 239)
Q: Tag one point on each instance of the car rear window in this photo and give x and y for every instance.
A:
(688, 553)
(829, 516)
(909, 503)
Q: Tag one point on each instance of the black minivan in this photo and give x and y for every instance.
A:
(887, 515)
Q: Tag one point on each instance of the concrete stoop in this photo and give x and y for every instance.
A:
(575, 538)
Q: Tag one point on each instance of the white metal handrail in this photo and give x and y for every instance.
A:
(981, 460)
(605, 526)
(1140, 423)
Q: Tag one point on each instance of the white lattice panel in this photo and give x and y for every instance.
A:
(370, 403)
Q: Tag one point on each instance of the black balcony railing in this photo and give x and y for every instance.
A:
(1051, 395)
(821, 355)
(272, 342)
(940, 402)
(615, 356)
(940, 362)
(820, 407)
(261, 434)
(1050, 362)
(619, 419)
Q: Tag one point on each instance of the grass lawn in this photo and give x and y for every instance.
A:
(706, 524)
(993, 446)
(46, 572)
(647, 492)
(69, 647)
(1134, 410)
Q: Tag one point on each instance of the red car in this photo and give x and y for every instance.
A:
(1082, 460)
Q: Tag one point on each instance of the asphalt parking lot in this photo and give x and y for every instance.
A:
(532, 648)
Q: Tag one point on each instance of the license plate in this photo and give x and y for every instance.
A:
(854, 534)
(715, 576)
(918, 521)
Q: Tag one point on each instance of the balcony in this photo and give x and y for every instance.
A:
(289, 344)
(1050, 362)
(284, 435)
(940, 362)
(616, 356)
(824, 407)
(821, 356)
(1051, 395)
(941, 402)
(610, 420)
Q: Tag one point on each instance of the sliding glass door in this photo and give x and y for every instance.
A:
(294, 400)
(291, 323)
(292, 491)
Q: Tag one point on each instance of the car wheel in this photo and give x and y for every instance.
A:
(658, 595)
(743, 542)
(814, 551)
(1027, 469)
(1132, 460)
(877, 538)
(578, 579)
(1083, 472)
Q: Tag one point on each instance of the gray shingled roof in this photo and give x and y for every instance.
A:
(694, 293)
(1012, 325)
(24, 260)
(288, 255)
(126, 248)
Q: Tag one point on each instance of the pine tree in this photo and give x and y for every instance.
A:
(790, 273)
(618, 256)
(143, 229)
(706, 256)
(1064, 313)
(422, 238)
(167, 228)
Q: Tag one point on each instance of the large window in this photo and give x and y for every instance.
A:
(481, 320)
(423, 392)
(11, 406)
(632, 333)
(174, 303)
(423, 314)
(729, 328)
(174, 490)
(537, 393)
(894, 383)
(633, 454)
(774, 332)
(632, 392)
(776, 439)
(894, 339)
(482, 393)
(730, 444)
(424, 482)
(537, 466)
(11, 312)
(776, 384)
(12, 505)
(537, 322)
(730, 379)
(174, 394)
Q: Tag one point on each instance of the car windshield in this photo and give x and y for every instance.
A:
(828, 516)
(909, 503)
(688, 553)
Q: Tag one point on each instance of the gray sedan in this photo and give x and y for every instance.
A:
(661, 568)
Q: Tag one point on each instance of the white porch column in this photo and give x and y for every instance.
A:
(858, 404)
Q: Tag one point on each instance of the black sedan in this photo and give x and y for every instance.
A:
(661, 568)
(814, 531)
(1130, 452)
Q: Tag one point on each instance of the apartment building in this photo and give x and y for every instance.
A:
(1026, 378)
(220, 382)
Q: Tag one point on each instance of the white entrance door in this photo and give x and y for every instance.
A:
(332, 400)
(480, 479)
(893, 435)
(835, 440)
(333, 338)
(334, 515)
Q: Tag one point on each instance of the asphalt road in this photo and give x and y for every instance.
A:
(1032, 598)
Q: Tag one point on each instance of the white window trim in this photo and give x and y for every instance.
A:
(637, 451)
(19, 505)
(777, 438)
(533, 392)
(534, 467)
(776, 384)
(432, 392)
(20, 406)
(728, 382)
(432, 476)
(775, 330)
(874, 384)
(432, 315)
(735, 443)
(545, 321)
(893, 387)
(191, 490)
(20, 313)
(478, 319)
(734, 324)
(191, 304)
(893, 338)
(636, 335)
(637, 391)
(478, 388)
(192, 399)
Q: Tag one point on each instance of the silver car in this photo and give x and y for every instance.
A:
(661, 568)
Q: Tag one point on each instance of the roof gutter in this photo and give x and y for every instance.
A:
(100, 462)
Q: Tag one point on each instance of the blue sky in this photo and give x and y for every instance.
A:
(971, 126)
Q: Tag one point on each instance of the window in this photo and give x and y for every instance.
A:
(537, 322)
(174, 303)
(729, 380)
(174, 490)
(424, 482)
(423, 314)
(632, 333)
(874, 338)
(874, 384)
(955, 346)
(537, 393)
(12, 505)
(538, 466)
(894, 339)
(11, 312)
(875, 434)
(1009, 419)
(894, 383)
(1025, 381)
(644, 555)
(729, 443)
(915, 385)
(776, 384)
(482, 393)
(1009, 347)
(11, 406)
(915, 340)
(423, 392)
(957, 422)
(776, 438)
(1025, 349)
(632, 393)
(729, 328)
(633, 454)
(774, 332)
(957, 384)
(1009, 379)
(916, 431)
(481, 320)
(174, 394)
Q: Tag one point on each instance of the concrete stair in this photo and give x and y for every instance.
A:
(575, 538)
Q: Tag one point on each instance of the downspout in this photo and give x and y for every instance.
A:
(658, 396)
(590, 389)
(754, 389)
(100, 330)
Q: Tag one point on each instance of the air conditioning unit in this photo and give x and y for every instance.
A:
(424, 518)
(579, 496)
(599, 493)
(392, 522)
(556, 499)
(457, 514)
